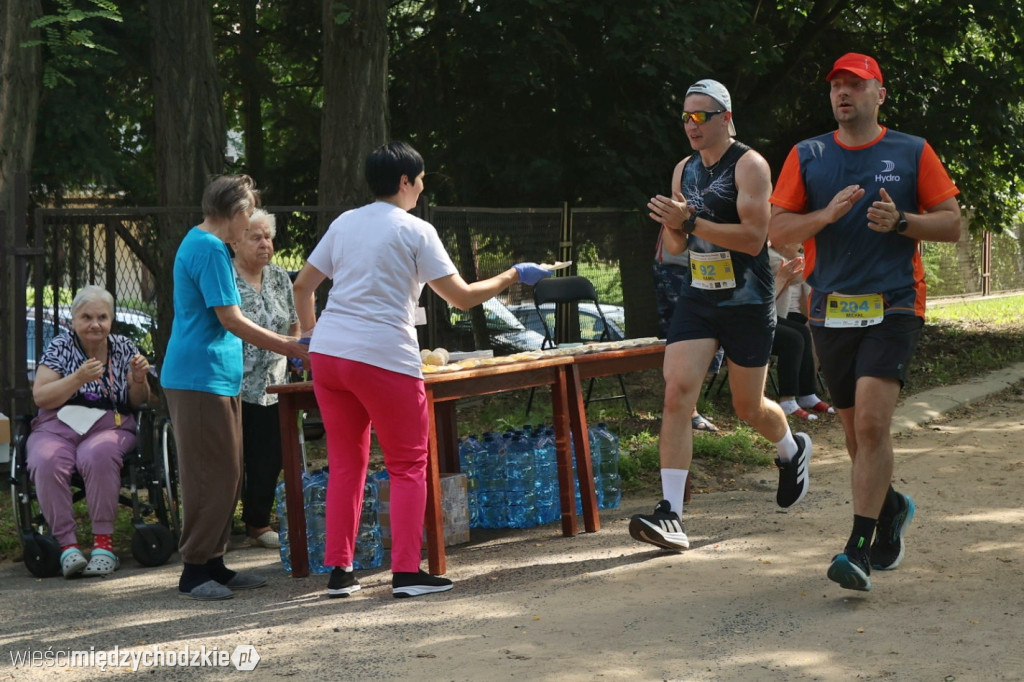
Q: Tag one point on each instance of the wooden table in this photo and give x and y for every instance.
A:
(614, 362)
(442, 390)
(622, 361)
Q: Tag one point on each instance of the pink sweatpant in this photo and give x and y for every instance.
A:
(55, 451)
(352, 396)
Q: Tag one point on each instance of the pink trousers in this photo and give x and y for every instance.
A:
(55, 451)
(352, 396)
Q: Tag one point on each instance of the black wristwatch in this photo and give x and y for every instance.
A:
(690, 224)
(901, 223)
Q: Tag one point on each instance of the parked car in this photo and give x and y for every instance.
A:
(591, 327)
(135, 324)
(507, 334)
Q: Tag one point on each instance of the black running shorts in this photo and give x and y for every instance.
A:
(883, 350)
(744, 331)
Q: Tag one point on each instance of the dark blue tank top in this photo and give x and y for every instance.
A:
(712, 191)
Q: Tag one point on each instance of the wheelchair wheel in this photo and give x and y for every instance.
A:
(153, 544)
(42, 554)
(171, 494)
(40, 550)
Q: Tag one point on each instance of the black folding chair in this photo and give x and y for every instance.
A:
(571, 290)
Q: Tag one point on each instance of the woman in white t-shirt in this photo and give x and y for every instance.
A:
(366, 359)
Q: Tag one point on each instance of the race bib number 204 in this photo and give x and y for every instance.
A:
(853, 311)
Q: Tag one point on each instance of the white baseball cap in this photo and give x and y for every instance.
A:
(717, 92)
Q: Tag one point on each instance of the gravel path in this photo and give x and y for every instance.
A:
(748, 601)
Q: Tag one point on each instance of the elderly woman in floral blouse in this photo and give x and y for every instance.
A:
(267, 300)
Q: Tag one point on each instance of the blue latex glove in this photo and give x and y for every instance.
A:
(297, 362)
(531, 273)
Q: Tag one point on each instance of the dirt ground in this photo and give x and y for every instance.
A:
(748, 601)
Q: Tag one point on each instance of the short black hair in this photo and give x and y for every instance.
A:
(386, 165)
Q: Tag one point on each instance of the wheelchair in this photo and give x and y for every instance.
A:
(149, 488)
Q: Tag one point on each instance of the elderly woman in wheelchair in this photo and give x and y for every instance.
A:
(87, 387)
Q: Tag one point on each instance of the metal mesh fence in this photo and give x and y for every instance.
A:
(484, 242)
(957, 269)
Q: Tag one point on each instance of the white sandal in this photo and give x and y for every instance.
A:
(72, 562)
(268, 538)
(102, 562)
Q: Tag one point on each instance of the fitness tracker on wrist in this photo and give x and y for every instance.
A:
(901, 223)
(690, 224)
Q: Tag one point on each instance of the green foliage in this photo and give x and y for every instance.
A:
(742, 445)
(586, 112)
(271, 73)
(290, 259)
(69, 37)
(638, 455)
(65, 295)
(607, 280)
(95, 125)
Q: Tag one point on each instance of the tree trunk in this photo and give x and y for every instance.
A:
(20, 85)
(190, 132)
(253, 77)
(355, 98)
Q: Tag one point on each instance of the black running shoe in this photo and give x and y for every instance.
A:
(887, 550)
(795, 475)
(662, 528)
(414, 584)
(342, 583)
(850, 571)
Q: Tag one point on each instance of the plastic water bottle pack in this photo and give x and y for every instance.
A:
(369, 547)
(513, 477)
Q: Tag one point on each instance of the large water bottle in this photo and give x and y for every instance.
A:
(520, 481)
(596, 455)
(369, 548)
(314, 493)
(611, 481)
(471, 454)
(369, 552)
(575, 476)
(282, 516)
(546, 477)
(493, 483)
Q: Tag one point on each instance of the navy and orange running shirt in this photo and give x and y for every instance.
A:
(847, 256)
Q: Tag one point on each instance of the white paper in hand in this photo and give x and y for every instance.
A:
(557, 265)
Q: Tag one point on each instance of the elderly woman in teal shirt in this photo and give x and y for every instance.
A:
(202, 379)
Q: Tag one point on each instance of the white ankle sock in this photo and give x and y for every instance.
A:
(808, 401)
(789, 406)
(673, 488)
(786, 447)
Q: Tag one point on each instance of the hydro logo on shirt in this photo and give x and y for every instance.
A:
(887, 172)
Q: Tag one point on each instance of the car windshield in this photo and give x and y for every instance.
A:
(498, 316)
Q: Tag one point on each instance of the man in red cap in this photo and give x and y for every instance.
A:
(860, 199)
